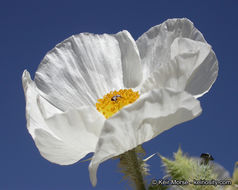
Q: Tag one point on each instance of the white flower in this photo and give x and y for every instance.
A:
(170, 65)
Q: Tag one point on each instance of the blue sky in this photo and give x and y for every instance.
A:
(31, 28)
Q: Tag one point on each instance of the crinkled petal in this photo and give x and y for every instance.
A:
(62, 138)
(131, 63)
(193, 68)
(153, 113)
(85, 67)
(154, 45)
(76, 134)
(57, 151)
(33, 100)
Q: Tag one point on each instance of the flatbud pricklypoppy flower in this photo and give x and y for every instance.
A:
(108, 93)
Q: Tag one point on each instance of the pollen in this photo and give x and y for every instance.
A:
(112, 102)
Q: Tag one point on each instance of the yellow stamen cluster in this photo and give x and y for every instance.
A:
(116, 100)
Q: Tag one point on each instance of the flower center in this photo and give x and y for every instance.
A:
(116, 100)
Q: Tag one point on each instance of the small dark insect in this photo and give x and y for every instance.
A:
(206, 158)
(114, 98)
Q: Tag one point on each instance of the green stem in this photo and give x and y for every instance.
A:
(131, 165)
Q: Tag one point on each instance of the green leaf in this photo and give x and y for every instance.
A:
(235, 174)
(183, 168)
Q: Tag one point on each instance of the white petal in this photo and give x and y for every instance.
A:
(33, 113)
(76, 135)
(154, 45)
(193, 68)
(137, 123)
(56, 150)
(46, 108)
(131, 63)
(62, 138)
(85, 67)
